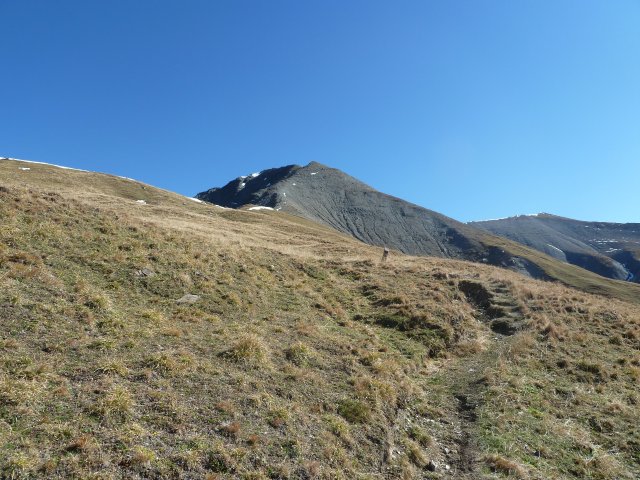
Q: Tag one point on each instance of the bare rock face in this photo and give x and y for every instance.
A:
(333, 198)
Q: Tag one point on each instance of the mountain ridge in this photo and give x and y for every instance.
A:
(331, 197)
(336, 199)
(609, 249)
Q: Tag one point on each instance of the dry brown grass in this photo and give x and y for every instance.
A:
(299, 332)
(502, 465)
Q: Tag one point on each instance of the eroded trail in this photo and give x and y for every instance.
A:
(466, 380)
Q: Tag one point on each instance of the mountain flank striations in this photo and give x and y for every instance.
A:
(333, 198)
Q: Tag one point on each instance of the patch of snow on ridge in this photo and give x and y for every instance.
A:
(24, 169)
(492, 219)
(260, 208)
(507, 218)
(314, 173)
(254, 175)
(195, 199)
(43, 163)
(555, 248)
(141, 202)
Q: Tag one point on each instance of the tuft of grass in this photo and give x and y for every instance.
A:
(299, 353)
(354, 411)
(141, 456)
(505, 466)
(82, 444)
(117, 403)
(230, 429)
(249, 349)
(421, 436)
(278, 417)
(114, 367)
(416, 454)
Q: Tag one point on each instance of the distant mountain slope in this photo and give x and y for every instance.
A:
(331, 197)
(608, 249)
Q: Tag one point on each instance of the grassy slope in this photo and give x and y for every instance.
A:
(303, 358)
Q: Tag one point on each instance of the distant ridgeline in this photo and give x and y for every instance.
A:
(608, 249)
(333, 198)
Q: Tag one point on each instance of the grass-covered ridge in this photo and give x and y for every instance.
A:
(303, 356)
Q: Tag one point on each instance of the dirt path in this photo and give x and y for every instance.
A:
(467, 377)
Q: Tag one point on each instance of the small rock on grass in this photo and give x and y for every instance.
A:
(188, 298)
(145, 272)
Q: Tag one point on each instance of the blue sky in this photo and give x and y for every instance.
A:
(476, 109)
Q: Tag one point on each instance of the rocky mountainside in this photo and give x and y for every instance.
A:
(333, 198)
(329, 196)
(608, 249)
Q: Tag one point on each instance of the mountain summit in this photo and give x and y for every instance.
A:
(542, 245)
(331, 197)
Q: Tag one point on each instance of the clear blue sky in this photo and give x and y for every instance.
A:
(477, 109)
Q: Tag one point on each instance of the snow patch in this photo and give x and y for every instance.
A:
(43, 163)
(141, 202)
(242, 185)
(508, 218)
(492, 219)
(555, 248)
(195, 199)
(260, 208)
(254, 175)
(24, 169)
(314, 173)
